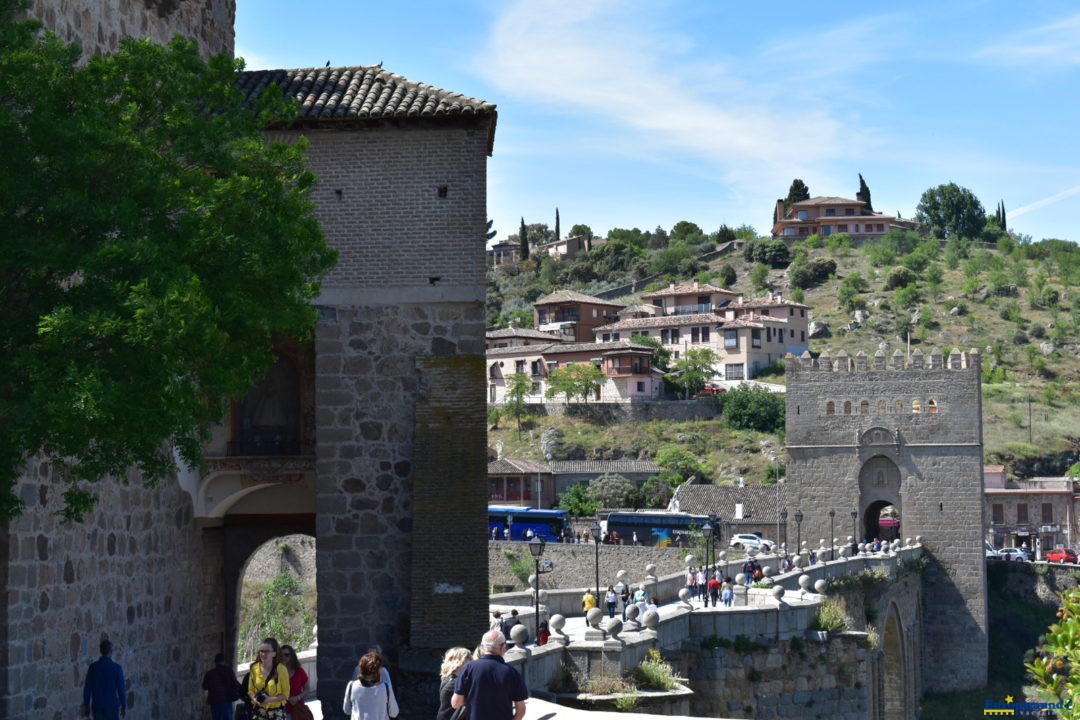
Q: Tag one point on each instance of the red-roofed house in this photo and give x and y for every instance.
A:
(831, 215)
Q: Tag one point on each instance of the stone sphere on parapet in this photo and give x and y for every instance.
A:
(778, 592)
(804, 582)
(820, 586)
(684, 594)
(650, 569)
(632, 612)
(767, 571)
(615, 627)
(690, 559)
(621, 576)
(532, 581)
(519, 634)
(651, 619)
(557, 623)
(543, 596)
(821, 543)
(918, 540)
(594, 616)
(740, 579)
(722, 556)
(907, 542)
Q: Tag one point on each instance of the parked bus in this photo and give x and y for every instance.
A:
(655, 528)
(548, 524)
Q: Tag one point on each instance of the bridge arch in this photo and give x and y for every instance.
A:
(897, 690)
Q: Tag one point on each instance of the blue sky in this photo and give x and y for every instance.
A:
(640, 114)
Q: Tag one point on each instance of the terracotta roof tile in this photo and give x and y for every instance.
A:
(509, 466)
(603, 466)
(647, 323)
(513, 332)
(562, 296)
(688, 289)
(759, 501)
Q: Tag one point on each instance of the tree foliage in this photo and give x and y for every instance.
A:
(154, 246)
(796, 193)
(518, 385)
(864, 193)
(576, 501)
(523, 240)
(612, 490)
(579, 380)
(1057, 659)
(661, 356)
(950, 210)
(679, 464)
(752, 407)
(691, 371)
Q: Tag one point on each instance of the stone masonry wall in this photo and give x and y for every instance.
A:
(931, 471)
(401, 472)
(98, 25)
(133, 571)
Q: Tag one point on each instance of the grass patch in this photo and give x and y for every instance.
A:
(654, 673)
(830, 617)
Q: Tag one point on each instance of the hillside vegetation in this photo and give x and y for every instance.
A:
(1016, 301)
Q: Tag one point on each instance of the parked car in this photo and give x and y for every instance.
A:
(745, 541)
(1061, 555)
(1013, 553)
(991, 551)
(708, 391)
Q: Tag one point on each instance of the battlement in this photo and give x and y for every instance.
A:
(861, 362)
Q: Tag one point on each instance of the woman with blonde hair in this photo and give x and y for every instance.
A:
(452, 662)
(369, 697)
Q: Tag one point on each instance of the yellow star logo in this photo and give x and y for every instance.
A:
(1009, 699)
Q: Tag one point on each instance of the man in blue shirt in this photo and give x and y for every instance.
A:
(104, 692)
(490, 688)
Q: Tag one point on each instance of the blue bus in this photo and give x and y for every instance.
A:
(548, 524)
(655, 528)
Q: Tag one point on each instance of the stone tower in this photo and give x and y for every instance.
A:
(867, 433)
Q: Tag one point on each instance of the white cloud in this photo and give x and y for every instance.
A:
(1056, 43)
(1024, 209)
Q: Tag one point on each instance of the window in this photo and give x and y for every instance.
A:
(792, 311)
(535, 389)
(594, 312)
(674, 335)
(830, 408)
(731, 339)
(802, 335)
(841, 228)
(826, 229)
(849, 211)
(880, 227)
(803, 215)
(916, 407)
(664, 337)
(789, 231)
(864, 407)
(847, 407)
(695, 335)
(881, 407)
(606, 337)
(644, 333)
(755, 338)
(802, 312)
(519, 366)
(997, 513)
(616, 336)
(1047, 513)
(494, 372)
(542, 316)
(733, 371)
(1022, 513)
(899, 407)
(830, 212)
(705, 334)
(513, 488)
(537, 368)
(931, 406)
(702, 299)
(640, 387)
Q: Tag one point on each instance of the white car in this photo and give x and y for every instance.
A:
(1012, 553)
(991, 552)
(745, 541)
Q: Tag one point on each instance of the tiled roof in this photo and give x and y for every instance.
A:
(562, 296)
(596, 347)
(757, 321)
(827, 200)
(603, 466)
(660, 322)
(364, 93)
(513, 332)
(687, 289)
(765, 302)
(759, 501)
(520, 350)
(507, 466)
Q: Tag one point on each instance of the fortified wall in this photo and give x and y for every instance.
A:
(98, 25)
(864, 433)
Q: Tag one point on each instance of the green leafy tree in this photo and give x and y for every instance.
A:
(557, 223)
(727, 276)
(679, 464)
(850, 287)
(576, 501)
(154, 244)
(1055, 662)
(759, 277)
(518, 385)
(691, 371)
(723, 235)
(950, 210)
(752, 407)
(581, 230)
(796, 193)
(899, 277)
(612, 490)
(577, 380)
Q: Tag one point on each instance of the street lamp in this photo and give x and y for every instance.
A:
(717, 534)
(596, 544)
(783, 517)
(832, 535)
(707, 531)
(854, 529)
(798, 529)
(536, 547)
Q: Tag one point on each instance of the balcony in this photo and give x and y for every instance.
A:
(702, 309)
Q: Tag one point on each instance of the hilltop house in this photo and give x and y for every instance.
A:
(573, 315)
(829, 215)
(1034, 511)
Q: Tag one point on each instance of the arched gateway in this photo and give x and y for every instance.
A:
(916, 449)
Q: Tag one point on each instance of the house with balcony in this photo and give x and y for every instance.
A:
(573, 315)
(517, 337)
(627, 369)
(504, 252)
(831, 215)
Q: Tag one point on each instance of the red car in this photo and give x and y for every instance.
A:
(1061, 555)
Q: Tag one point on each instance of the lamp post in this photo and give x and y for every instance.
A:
(707, 531)
(714, 520)
(782, 517)
(536, 547)
(832, 535)
(854, 529)
(798, 529)
(596, 544)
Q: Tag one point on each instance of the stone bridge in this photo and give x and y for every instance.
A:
(759, 658)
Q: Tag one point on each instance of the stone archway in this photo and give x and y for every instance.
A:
(894, 670)
(879, 488)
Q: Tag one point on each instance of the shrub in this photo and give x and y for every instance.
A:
(759, 277)
(654, 673)
(907, 296)
(752, 407)
(830, 617)
(899, 277)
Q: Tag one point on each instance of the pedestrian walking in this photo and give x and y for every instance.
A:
(222, 689)
(369, 697)
(295, 707)
(104, 691)
(612, 600)
(452, 663)
(268, 683)
(488, 687)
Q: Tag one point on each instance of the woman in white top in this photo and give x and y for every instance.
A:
(369, 697)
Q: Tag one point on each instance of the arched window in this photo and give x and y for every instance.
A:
(494, 371)
(268, 418)
(881, 407)
(847, 407)
(830, 408)
(899, 407)
(916, 406)
(864, 407)
(931, 406)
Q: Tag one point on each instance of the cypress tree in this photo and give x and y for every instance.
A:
(557, 225)
(523, 238)
(864, 191)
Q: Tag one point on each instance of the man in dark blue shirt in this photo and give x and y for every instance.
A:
(104, 692)
(490, 688)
